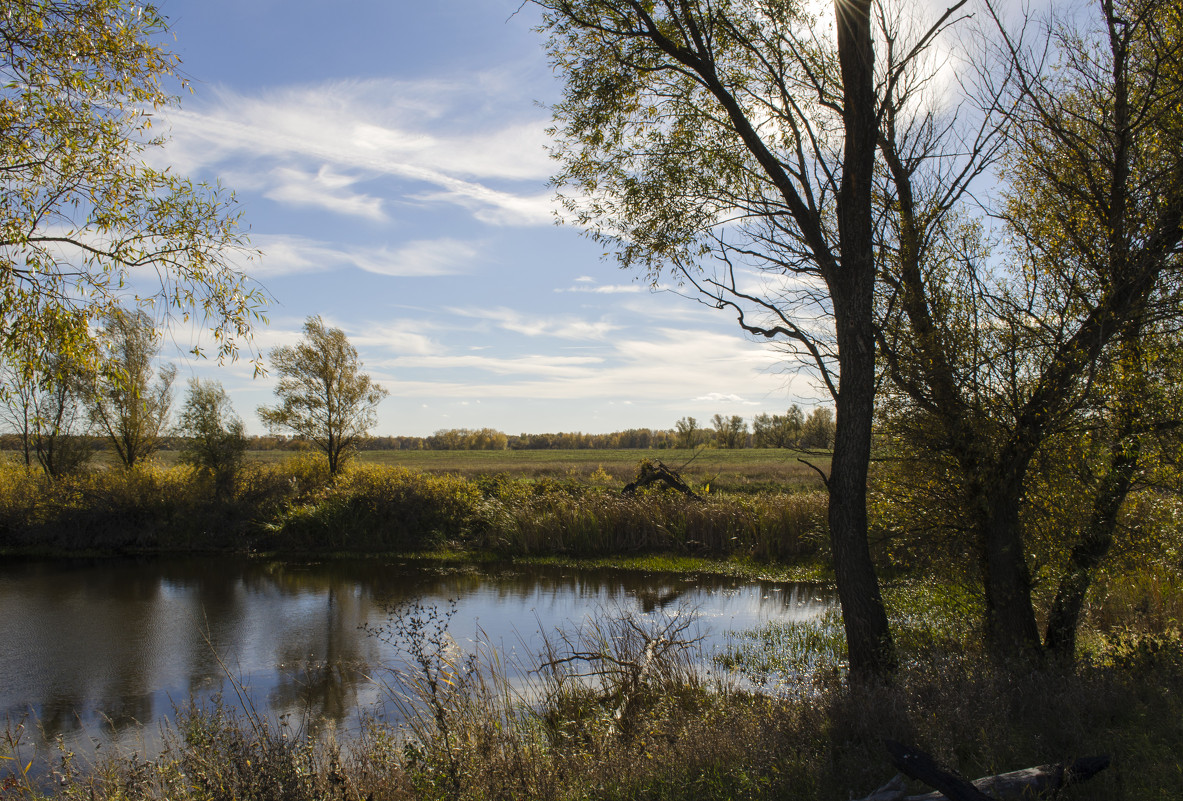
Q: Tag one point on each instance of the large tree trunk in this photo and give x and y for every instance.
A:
(868, 637)
(1011, 629)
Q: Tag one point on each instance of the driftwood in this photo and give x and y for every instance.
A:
(1038, 782)
(651, 472)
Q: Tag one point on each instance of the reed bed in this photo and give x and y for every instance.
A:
(295, 506)
(767, 526)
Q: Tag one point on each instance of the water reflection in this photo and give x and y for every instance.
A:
(94, 649)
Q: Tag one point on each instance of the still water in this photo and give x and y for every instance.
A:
(102, 651)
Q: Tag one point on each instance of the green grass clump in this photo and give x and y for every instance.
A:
(378, 509)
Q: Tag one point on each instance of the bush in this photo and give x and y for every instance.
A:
(380, 509)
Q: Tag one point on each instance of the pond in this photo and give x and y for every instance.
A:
(97, 653)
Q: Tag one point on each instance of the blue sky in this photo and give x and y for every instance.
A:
(390, 160)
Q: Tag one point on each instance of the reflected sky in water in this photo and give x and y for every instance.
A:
(102, 650)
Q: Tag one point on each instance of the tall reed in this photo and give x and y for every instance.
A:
(295, 506)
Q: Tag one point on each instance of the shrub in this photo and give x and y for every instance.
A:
(373, 508)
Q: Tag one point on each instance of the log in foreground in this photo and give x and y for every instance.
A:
(1038, 782)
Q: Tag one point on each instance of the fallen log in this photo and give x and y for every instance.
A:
(921, 766)
(650, 472)
(1038, 782)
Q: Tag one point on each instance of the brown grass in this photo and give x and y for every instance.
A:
(635, 728)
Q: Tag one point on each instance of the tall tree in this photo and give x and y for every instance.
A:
(993, 366)
(124, 403)
(715, 139)
(323, 394)
(81, 210)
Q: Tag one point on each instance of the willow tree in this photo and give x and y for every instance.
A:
(44, 400)
(125, 402)
(992, 365)
(733, 148)
(215, 435)
(86, 223)
(323, 395)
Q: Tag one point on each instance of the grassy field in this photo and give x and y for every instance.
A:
(746, 470)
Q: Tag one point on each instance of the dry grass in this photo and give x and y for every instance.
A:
(294, 506)
(745, 470)
(621, 713)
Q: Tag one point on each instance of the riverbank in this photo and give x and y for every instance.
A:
(615, 717)
(295, 508)
(660, 732)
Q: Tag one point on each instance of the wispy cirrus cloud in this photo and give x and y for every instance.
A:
(326, 189)
(530, 366)
(291, 254)
(690, 367)
(442, 141)
(605, 289)
(565, 327)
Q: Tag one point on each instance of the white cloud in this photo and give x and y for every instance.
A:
(606, 289)
(492, 206)
(403, 337)
(531, 365)
(326, 189)
(565, 327)
(673, 364)
(288, 255)
(307, 145)
(719, 397)
(419, 257)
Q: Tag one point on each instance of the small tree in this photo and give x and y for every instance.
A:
(62, 438)
(687, 432)
(216, 439)
(44, 399)
(818, 429)
(730, 432)
(323, 394)
(778, 430)
(125, 404)
(19, 410)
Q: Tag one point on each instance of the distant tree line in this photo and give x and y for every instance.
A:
(793, 429)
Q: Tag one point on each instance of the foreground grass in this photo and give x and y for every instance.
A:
(620, 712)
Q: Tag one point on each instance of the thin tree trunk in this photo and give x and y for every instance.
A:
(1093, 545)
(868, 637)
